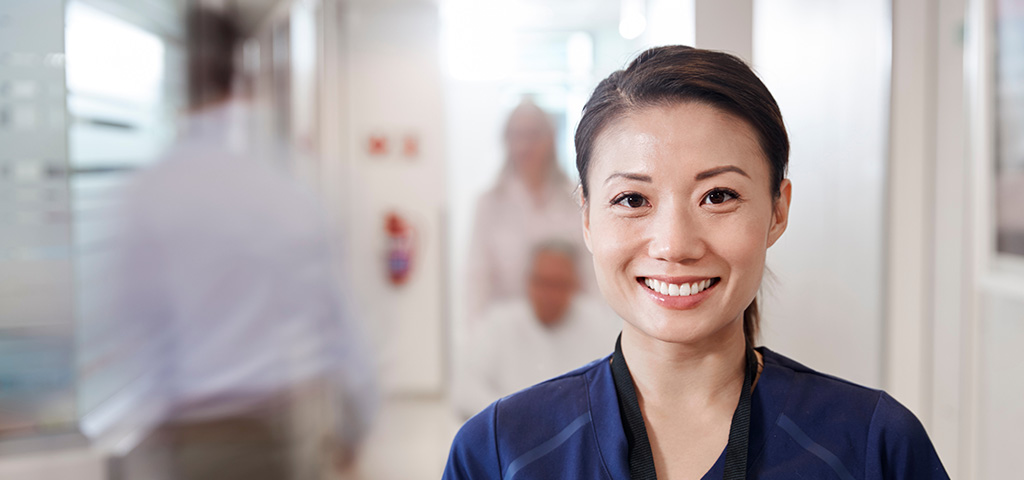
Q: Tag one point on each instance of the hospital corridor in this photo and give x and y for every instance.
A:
(313, 239)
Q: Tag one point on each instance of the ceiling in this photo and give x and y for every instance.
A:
(544, 14)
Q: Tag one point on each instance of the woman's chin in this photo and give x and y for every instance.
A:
(689, 331)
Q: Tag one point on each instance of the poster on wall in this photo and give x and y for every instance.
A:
(1009, 61)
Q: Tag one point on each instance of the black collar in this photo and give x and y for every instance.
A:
(641, 460)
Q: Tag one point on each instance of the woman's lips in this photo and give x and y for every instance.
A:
(679, 293)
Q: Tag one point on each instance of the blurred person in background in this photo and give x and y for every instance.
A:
(530, 202)
(226, 263)
(553, 329)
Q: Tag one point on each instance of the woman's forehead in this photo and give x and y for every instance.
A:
(679, 119)
(685, 134)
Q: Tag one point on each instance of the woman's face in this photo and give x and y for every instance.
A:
(530, 143)
(679, 217)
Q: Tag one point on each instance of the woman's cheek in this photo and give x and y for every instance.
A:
(611, 239)
(742, 242)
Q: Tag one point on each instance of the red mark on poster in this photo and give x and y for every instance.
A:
(378, 145)
(411, 146)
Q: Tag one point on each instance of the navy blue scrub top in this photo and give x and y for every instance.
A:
(804, 424)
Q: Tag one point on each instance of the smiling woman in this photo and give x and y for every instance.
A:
(680, 196)
(682, 159)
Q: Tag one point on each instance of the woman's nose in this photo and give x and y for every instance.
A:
(675, 236)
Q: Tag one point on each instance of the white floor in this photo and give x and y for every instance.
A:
(409, 440)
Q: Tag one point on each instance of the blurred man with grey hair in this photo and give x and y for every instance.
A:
(523, 342)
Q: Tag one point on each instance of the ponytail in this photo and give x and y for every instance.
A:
(751, 323)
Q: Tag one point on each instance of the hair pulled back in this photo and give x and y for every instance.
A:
(670, 75)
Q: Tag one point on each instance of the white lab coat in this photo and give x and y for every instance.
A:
(509, 223)
(510, 349)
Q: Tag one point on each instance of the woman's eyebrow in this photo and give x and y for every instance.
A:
(631, 176)
(718, 171)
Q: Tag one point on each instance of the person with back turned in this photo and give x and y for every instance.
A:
(226, 265)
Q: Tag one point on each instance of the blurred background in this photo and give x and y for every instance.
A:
(433, 140)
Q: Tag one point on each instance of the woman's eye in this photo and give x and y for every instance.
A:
(631, 200)
(717, 197)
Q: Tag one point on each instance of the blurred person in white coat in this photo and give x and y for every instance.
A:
(551, 330)
(530, 202)
(227, 270)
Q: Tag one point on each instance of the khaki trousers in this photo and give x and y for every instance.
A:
(285, 438)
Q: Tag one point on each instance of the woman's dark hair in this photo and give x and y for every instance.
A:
(671, 75)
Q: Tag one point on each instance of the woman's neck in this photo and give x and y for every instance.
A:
(676, 375)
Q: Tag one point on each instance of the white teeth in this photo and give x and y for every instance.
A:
(674, 290)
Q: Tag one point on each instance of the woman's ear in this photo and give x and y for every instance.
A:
(780, 212)
(581, 200)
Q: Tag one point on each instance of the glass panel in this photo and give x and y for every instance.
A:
(36, 308)
(122, 100)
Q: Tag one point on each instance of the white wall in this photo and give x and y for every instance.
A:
(374, 69)
(726, 25)
(394, 89)
(951, 281)
(826, 63)
(911, 171)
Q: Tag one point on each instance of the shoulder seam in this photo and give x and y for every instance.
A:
(593, 429)
(579, 372)
(805, 370)
(871, 429)
(825, 376)
(494, 430)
